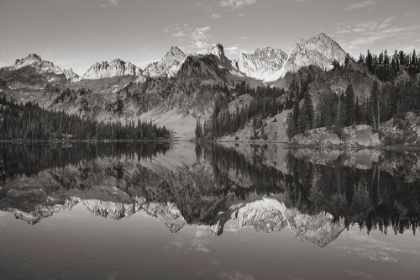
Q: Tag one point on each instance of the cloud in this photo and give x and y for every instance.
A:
(232, 50)
(369, 37)
(178, 34)
(49, 51)
(203, 29)
(343, 31)
(235, 50)
(235, 275)
(197, 37)
(178, 31)
(360, 5)
(145, 46)
(201, 5)
(236, 4)
(360, 35)
(203, 51)
(242, 15)
(200, 44)
(363, 27)
(3, 63)
(69, 60)
(113, 2)
(243, 38)
(144, 64)
(215, 16)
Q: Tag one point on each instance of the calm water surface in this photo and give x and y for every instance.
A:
(187, 211)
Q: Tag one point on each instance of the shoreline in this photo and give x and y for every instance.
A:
(286, 145)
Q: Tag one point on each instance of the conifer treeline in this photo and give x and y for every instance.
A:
(386, 66)
(29, 121)
(340, 110)
(334, 109)
(264, 104)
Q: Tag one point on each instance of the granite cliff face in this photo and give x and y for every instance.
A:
(262, 64)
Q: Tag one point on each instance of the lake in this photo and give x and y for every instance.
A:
(207, 211)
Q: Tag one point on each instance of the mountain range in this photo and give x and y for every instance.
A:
(180, 89)
(263, 64)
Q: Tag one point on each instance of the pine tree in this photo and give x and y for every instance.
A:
(369, 61)
(361, 59)
(291, 128)
(296, 112)
(349, 112)
(414, 58)
(347, 60)
(375, 105)
(198, 129)
(386, 58)
(339, 114)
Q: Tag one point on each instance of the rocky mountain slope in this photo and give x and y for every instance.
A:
(115, 68)
(318, 51)
(42, 67)
(168, 66)
(262, 64)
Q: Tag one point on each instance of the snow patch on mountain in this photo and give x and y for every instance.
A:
(262, 63)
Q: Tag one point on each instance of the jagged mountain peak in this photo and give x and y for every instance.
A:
(175, 51)
(218, 50)
(43, 67)
(70, 75)
(115, 68)
(168, 66)
(318, 51)
(32, 60)
(32, 56)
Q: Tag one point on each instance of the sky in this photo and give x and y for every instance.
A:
(77, 33)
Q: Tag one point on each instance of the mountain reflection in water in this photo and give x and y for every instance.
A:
(186, 211)
(316, 194)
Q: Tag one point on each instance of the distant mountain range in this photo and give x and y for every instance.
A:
(266, 64)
